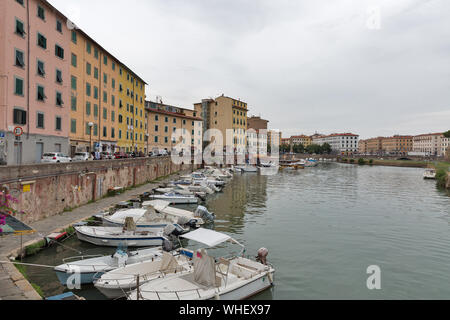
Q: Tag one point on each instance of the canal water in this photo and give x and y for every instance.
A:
(323, 228)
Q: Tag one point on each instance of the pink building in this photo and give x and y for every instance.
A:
(34, 80)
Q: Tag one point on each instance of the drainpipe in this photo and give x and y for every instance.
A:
(28, 69)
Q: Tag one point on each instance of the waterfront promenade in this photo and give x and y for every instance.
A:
(13, 286)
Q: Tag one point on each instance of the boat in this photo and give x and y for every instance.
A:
(227, 278)
(175, 198)
(429, 174)
(90, 267)
(146, 217)
(116, 283)
(198, 216)
(249, 168)
(291, 164)
(129, 235)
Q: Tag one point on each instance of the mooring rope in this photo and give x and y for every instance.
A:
(27, 264)
(54, 241)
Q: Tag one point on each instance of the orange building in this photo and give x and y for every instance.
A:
(397, 145)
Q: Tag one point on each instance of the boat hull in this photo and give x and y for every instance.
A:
(176, 200)
(85, 278)
(116, 241)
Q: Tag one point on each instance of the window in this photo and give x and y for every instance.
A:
(174, 120)
(18, 83)
(19, 116)
(59, 26)
(41, 12)
(40, 68)
(105, 113)
(166, 129)
(41, 41)
(58, 123)
(40, 93)
(88, 47)
(74, 83)
(113, 100)
(120, 134)
(113, 83)
(156, 118)
(95, 73)
(120, 103)
(166, 140)
(73, 103)
(96, 53)
(74, 60)
(40, 120)
(59, 101)
(166, 119)
(113, 66)
(113, 133)
(59, 52)
(120, 118)
(59, 76)
(113, 116)
(88, 89)
(88, 108)
(120, 87)
(105, 132)
(105, 78)
(105, 97)
(88, 68)
(73, 125)
(20, 1)
(74, 37)
(95, 129)
(105, 60)
(95, 110)
(95, 92)
(156, 138)
(156, 128)
(20, 31)
(19, 59)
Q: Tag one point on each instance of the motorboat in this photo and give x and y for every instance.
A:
(429, 174)
(199, 216)
(268, 168)
(228, 278)
(175, 198)
(116, 283)
(249, 168)
(147, 217)
(129, 235)
(90, 267)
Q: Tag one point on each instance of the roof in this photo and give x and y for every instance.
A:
(429, 134)
(209, 237)
(338, 135)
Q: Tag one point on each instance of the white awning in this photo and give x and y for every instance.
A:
(209, 237)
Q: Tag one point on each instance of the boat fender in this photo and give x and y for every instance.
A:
(269, 275)
(216, 296)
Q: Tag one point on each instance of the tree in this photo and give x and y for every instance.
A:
(447, 134)
(285, 148)
(298, 148)
(326, 148)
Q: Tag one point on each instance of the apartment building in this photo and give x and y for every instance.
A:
(428, 144)
(374, 146)
(164, 120)
(397, 145)
(271, 134)
(225, 114)
(362, 147)
(132, 121)
(257, 134)
(445, 147)
(34, 81)
(342, 143)
(301, 139)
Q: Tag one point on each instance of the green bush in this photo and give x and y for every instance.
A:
(352, 160)
(371, 161)
(361, 161)
(441, 175)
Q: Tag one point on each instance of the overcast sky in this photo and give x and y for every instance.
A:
(306, 66)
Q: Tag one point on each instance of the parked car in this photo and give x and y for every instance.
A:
(120, 155)
(82, 156)
(55, 157)
(106, 155)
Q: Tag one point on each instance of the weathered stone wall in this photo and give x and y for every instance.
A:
(46, 190)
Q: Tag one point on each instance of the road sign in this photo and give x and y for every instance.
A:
(18, 131)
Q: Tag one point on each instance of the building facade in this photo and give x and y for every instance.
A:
(301, 139)
(225, 114)
(428, 144)
(362, 147)
(34, 81)
(341, 143)
(257, 135)
(164, 120)
(374, 146)
(397, 145)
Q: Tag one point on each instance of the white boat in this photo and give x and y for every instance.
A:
(268, 168)
(144, 218)
(116, 236)
(163, 207)
(429, 174)
(116, 283)
(176, 198)
(198, 177)
(232, 278)
(91, 267)
(249, 168)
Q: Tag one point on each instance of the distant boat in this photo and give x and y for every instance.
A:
(174, 197)
(429, 174)
(249, 168)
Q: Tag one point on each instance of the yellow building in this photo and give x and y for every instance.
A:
(96, 80)
(132, 124)
(164, 120)
(301, 139)
(225, 114)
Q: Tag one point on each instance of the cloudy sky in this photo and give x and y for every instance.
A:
(378, 67)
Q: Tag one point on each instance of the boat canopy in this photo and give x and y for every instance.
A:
(208, 237)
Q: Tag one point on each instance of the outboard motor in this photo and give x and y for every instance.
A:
(167, 245)
(169, 229)
(262, 255)
(203, 213)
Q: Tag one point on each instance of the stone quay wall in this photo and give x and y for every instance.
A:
(45, 190)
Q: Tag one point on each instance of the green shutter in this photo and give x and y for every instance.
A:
(74, 103)
(88, 108)
(19, 87)
(74, 83)
(73, 125)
